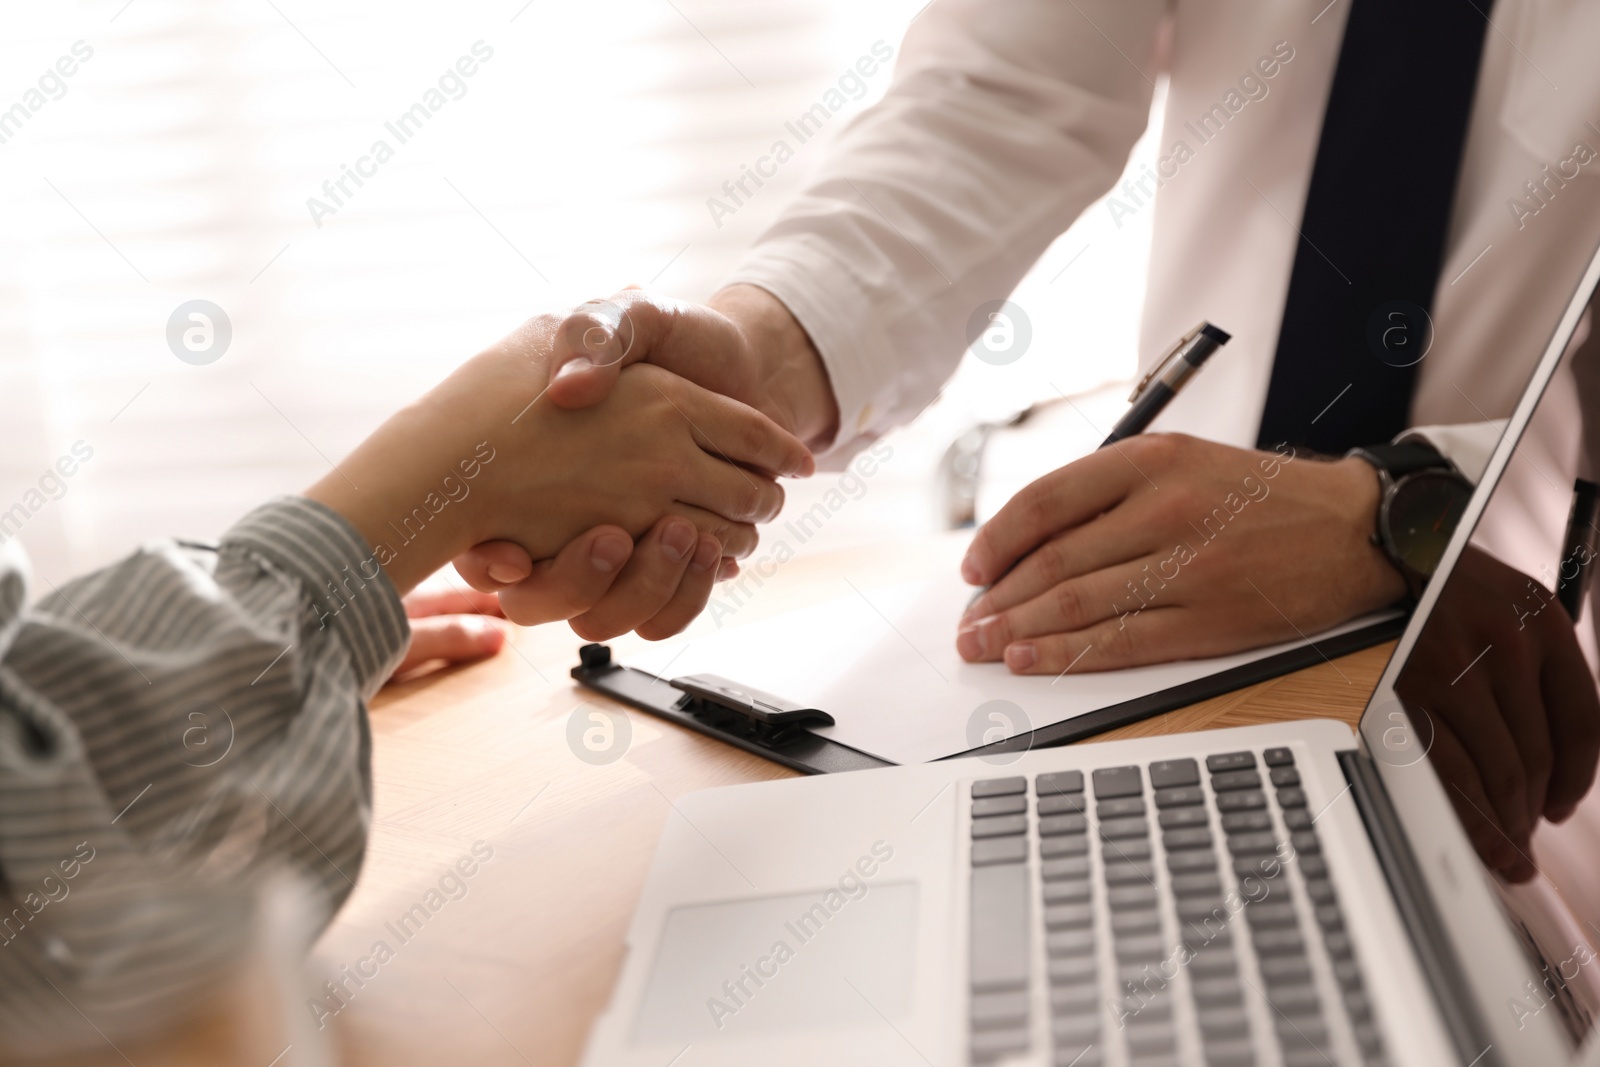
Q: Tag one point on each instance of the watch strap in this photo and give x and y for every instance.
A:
(1403, 458)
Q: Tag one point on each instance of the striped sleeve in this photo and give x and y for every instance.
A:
(174, 729)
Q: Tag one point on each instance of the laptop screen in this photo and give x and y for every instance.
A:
(1485, 730)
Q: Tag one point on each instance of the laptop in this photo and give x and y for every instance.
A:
(1291, 894)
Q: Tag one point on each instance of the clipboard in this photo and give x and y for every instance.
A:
(766, 725)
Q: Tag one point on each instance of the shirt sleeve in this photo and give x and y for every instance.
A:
(174, 729)
(1003, 122)
(1468, 445)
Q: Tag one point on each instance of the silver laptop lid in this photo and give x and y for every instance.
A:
(1492, 683)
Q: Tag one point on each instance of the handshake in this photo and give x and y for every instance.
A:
(564, 473)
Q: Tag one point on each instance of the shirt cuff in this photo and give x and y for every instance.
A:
(832, 306)
(344, 585)
(1468, 446)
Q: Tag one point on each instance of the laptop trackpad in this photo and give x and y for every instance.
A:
(778, 963)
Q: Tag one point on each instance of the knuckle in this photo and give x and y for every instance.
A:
(1068, 602)
(1119, 643)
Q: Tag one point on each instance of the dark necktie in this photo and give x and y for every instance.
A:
(1372, 238)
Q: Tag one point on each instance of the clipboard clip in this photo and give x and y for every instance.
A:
(763, 708)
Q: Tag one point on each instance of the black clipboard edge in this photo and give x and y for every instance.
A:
(1212, 685)
(793, 747)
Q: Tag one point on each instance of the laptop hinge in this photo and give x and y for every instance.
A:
(1440, 964)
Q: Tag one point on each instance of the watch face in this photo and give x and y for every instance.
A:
(1421, 514)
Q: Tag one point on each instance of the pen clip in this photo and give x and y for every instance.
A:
(1166, 359)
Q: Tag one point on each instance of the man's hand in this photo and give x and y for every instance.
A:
(1166, 547)
(1513, 717)
(746, 345)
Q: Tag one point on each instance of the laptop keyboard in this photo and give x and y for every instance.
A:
(1173, 931)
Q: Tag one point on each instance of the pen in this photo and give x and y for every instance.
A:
(1578, 551)
(1156, 389)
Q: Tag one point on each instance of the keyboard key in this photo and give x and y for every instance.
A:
(1199, 910)
(1139, 948)
(1321, 891)
(1145, 1037)
(1178, 818)
(999, 787)
(1230, 1053)
(1313, 866)
(1070, 845)
(1338, 944)
(1014, 804)
(1294, 999)
(1278, 757)
(1116, 809)
(1112, 782)
(1188, 862)
(1236, 822)
(1211, 992)
(1179, 840)
(1262, 867)
(1136, 922)
(1283, 777)
(1136, 849)
(1224, 1022)
(1128, 897)
(1112, 829)
(1291, 798)
(1059, 782)
(991, 1010)
(1128, 873)
(1076, 1030)
(1277, 943)
(1071, 867)
(1061, 803)
(1329, 919)
(1080, 999)
(1231, 780)
(1071, 970)
(1297, 819)
(1286, 970)
(999, 826)
(1078, 1056)
(1302, 1031)
(1246, 801)
(1252, 844)
(1195, 885)
(1305, 842)
(1055, 825)
(987, 1045)
(1069, 942)
(1216, 963)
(1230, 761)
(1180, 797)
(1348, 974)
(1356, 1003)
(1075, 891)
(1270, 913)
(1174, 772)
(1068, 916)
(1000, 938)
(999, 850)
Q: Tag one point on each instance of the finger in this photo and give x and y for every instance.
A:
(452, 638)
(1519, 704)
(738, 539)
(646, 583)
(493, 565)
(1474, 717)
(1573, 709)
(1124, 533)
(1156, 635)
(450, 600)
(1063, 498)
(740, 434)
(1483, 828)
(597, 339)
(1072, 605)
(732, 492)
(571, 583)
(692, 593)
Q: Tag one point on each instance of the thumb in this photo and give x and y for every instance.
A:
(597, 339)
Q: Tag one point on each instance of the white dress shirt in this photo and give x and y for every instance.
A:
(1006, 118)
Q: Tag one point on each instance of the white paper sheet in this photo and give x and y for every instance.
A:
(882, 661)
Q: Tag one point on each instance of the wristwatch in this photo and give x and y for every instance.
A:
(1422, 498)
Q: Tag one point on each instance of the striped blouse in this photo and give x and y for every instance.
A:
(173, 729)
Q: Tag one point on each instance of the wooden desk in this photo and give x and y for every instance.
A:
(515, 970)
